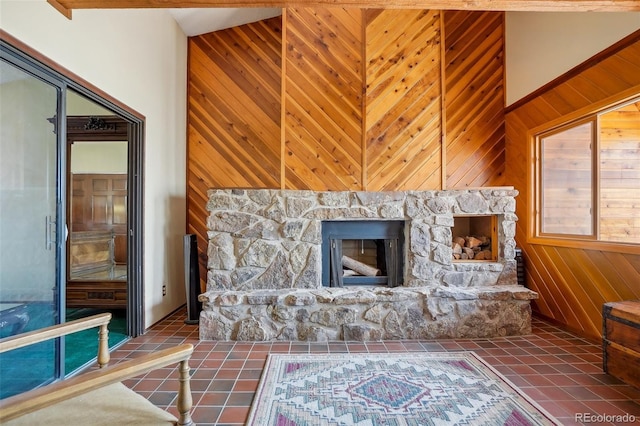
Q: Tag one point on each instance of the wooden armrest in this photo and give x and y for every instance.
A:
(59, 330)
(46, 396)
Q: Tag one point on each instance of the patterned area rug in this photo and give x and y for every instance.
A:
(417, 388)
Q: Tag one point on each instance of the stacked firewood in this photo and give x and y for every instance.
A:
(472, 248)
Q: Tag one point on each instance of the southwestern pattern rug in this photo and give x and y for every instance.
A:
(417, 388)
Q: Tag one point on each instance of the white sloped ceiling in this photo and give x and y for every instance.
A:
(201, 21)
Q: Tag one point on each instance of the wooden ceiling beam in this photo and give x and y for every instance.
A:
(490, 5)
(60, 8)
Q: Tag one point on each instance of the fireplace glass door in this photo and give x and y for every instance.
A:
(362, 253)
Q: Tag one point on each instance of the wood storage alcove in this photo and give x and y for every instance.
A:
(474, 238)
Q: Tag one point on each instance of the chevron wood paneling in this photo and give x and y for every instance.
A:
(573, 283)
(474, 68)
(233, 116)
(323, 99)
(342, 99)
(403, 100)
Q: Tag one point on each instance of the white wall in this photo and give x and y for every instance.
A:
(139, 57)
(99, 157)
(542, 46)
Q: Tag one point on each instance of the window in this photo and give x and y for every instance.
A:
(588, 177)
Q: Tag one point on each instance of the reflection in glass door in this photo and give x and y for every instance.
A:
(30, 247)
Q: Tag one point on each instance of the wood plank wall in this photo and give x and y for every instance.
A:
(573, 283)
(323, 99)
(333, 99)
(233, 117)
(474, 61)
(403, 128)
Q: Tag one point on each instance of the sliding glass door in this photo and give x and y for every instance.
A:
(31, 232)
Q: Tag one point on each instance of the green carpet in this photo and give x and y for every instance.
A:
(31, 366)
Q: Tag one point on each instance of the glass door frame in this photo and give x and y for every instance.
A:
(41, 66)
(28, 67)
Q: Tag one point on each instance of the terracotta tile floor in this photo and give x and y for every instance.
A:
(558, 370)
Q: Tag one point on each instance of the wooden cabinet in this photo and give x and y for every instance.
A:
(621, 341)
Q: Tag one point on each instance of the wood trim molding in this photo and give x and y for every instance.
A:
(443, 106)
(364, 176)
(283, 95)
(488, 5)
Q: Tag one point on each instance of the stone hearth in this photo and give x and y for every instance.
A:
(265, 269)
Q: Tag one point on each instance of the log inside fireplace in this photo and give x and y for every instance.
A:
(362, 252)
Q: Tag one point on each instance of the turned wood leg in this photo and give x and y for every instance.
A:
(103, 346)
(185, 401)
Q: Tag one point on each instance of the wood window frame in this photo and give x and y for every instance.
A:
(539, 203)
(591, 113)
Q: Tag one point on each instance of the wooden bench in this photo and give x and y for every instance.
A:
(621, 341)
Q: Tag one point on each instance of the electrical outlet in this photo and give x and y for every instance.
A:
(164, 289)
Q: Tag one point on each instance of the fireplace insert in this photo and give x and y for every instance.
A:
(362, 252)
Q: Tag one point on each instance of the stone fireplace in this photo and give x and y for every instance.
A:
(268, 280)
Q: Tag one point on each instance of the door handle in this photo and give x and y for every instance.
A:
(49, 232)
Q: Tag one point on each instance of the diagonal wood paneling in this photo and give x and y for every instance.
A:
(403, 100)
(356, 103)
(573, 283)
(233, 116)
(323, 99)
(474, 54)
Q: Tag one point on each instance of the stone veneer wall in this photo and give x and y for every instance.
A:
(264, 260)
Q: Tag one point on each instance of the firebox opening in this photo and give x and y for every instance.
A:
(368, 252)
